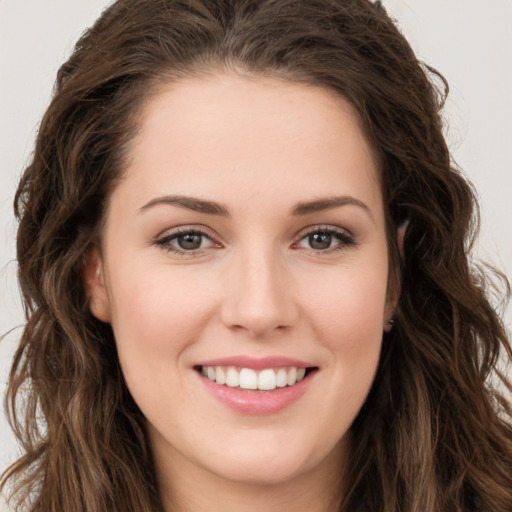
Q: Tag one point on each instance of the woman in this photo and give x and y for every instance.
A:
(243, 251)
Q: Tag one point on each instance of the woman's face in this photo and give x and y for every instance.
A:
(246, 242)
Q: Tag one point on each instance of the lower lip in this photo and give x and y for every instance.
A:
(257, 402)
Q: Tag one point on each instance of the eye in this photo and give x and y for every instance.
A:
(189, 241)
(325, 240)
(186, 241)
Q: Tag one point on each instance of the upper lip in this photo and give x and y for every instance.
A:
(257, 363)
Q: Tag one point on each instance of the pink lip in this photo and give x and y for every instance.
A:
(255, 402)
(256, 363)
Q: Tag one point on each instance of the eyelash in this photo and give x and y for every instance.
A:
(346, 240)
(165, 241)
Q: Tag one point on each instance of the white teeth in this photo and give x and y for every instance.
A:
(220, 375)
(247, 378)
(292, 376)
(267, 380)
(232, 378)
(281, 378)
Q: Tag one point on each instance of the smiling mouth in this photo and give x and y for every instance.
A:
(267, 379)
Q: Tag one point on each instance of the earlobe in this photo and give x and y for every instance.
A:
(388, 321)
(389, 312)
(394, 289)
(388, 325)
(94, 285)
(401, 235)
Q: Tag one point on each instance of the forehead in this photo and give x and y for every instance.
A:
(244, 137)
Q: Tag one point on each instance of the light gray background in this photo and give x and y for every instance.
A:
(469, 41)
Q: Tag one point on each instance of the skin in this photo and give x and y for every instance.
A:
(256, 286)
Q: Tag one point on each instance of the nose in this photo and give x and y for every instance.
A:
(259, 296)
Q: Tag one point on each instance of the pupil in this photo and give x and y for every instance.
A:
(320, 240)
(190, 241)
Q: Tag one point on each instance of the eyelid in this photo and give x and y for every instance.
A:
(165, 236)
(322, 227)
(347, 238)
(187, 228)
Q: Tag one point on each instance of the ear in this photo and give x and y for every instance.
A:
(401, 235)
(389, 311)
(94, 284)
(394, 284)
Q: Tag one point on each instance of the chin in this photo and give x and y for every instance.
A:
(259, 471)
(269, 464)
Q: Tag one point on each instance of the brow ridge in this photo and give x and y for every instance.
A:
(192, 203)
(327, 203)
(213, 208)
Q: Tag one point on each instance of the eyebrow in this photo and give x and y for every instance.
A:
(327, 203)
(191, 203)
(212, 208)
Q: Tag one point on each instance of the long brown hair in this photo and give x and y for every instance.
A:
(434, 435)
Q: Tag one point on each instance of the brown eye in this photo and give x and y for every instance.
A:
(326, 240)
(186, 242)
(320, 240)
(189, 241)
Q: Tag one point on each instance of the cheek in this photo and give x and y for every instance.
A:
(348, 312)
(156, 314)
(347, 317)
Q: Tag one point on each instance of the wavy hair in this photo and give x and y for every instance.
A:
(434, 434)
